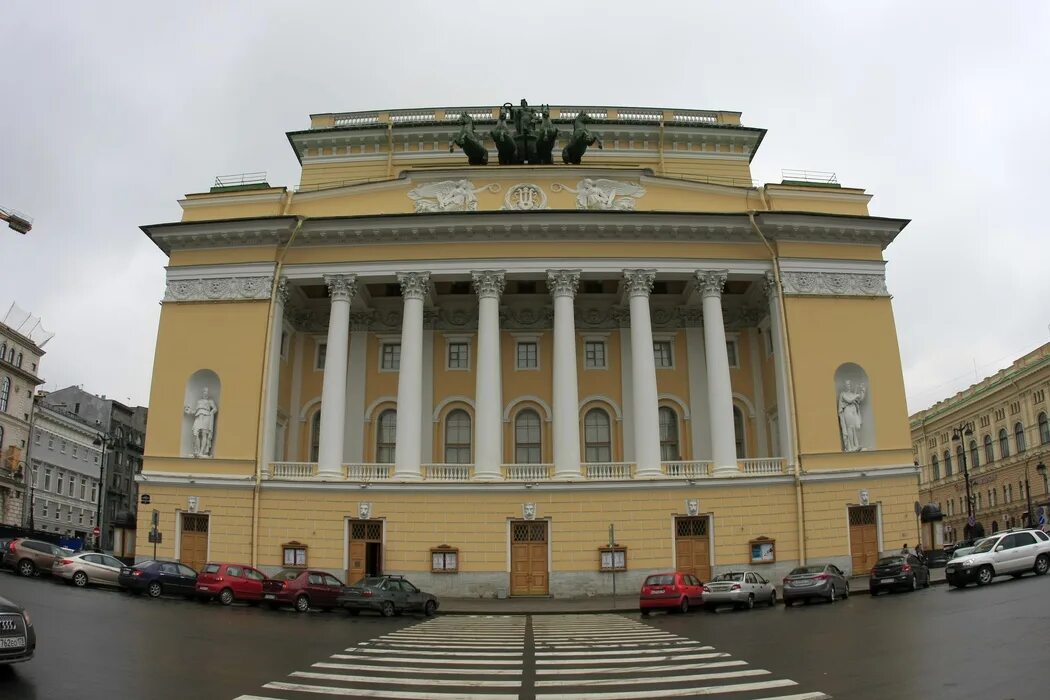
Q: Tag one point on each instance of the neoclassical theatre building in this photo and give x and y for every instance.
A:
(519, 351)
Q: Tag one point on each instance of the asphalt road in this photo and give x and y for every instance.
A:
(984, 643)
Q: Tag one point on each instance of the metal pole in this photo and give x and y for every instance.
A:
(101, 491)
(1028, 496)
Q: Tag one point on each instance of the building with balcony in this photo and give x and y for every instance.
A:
(518, 378)
(996, 434)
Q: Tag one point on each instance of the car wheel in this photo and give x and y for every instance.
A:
(1042, 565)
(155, 589)
(845, 592)
(80, 579)
(353, 612)
(914, 582)
(645, 613)
(773, 599)
(226, 597)
(750, 604)
(873, 591)
(788, 603)
(985, 575)
(388, 609)
(26, 568)
(430, 609)
(683, 607)
(302, 604)
(831, 596)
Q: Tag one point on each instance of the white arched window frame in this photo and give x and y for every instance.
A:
(528, 438)
(1004, 444)
(740, 434)
(989, 450)
(975, 455)
(1044, 429)
(457, 437)
(386, 436)
(947, 463)
(315, 436)
(5, 392)
(597, 436)
(1019, 441)
(936, 468)
(670, 449)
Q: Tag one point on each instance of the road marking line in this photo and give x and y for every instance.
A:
(399, 694)
(625, 645)
(421, 669)
(800, 696)
(406, 645)
(636, 669)
(675, 692)
(417, 660)
(595, 682)
(686, 657)
(617, 652)
(388, 680)
(374, 650)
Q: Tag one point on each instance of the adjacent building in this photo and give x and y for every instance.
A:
(502, 375)
(22, 340)
(983, 453)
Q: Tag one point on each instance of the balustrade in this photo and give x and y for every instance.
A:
(367, 472)
(688, 469)
(528, 472)
(607, 471)
(448, 472)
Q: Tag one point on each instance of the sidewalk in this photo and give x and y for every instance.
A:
(625, 603)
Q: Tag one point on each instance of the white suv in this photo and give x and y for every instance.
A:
(1013, 552)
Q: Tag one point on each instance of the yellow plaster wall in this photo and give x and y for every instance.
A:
(827, 524)
(519, 383)
(229, 525)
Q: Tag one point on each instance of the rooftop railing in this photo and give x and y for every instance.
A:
(560, 113)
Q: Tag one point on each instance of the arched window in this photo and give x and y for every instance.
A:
(989, 451)
(18, 361)
(1004, 444)
(936, 467)
(947, 463)
(457, 437)
(669, 451)
(5, 392)
(315, 436)
(995, 527)
(11, 355)
(960, 456)
(975, 455)
(1019, 437)
(386, 436)
(3, 350)
(1, 438)
(527, 438)
(597, 439)
(1044, 429)
(738, 429)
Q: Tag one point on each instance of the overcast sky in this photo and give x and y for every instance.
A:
(109, 112)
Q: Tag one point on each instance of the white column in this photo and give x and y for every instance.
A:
(754, 338)
(719, 387)
(699, 425)
(626, 390)
(638, 284)
(294, 420)
(562, 285)
(427, 452)
(407, 453)
(785, 415)
(488, 393)
(356, 376)
(333, 390)
(273, 373)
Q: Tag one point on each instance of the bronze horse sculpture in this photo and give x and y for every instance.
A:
(470, 142)
(508, 150)
(581, 138)
(546, 135)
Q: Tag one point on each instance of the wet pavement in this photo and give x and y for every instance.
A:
(982, 643)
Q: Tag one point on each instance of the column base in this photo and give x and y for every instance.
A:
(648, 473)
(726, 470)
(488, 476)
(568, 475)
(330, 474)
(406, 476)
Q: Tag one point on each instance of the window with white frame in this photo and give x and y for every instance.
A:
(83, 488)
(458, 355)
(5, 392)
(457, 437)
(44, 508)
(386, 436)
(94, 491)
(662, 354)
(528, 354)
(731, 353)
(594, 354)
(36, 437)
(669, 450)
(47, 479)
(321, 356)
(527, 438)
(738, 430)
(391, 357)
(72, 486)
(61, 476)
(597, 436)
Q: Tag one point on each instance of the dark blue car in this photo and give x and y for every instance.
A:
(159, 578)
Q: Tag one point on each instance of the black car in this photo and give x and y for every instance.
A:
(17, 636)
(898, 572)
(386, 595)
(159, 577)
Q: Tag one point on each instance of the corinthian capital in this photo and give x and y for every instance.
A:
(711, 282)
(414, 284)
(563, 283)
(489, 283)
(341, 287)
(639, 282)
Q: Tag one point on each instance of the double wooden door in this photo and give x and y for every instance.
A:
(365, 550)
(528, 557)
(863, 538)
(193, 541)
(692, 546)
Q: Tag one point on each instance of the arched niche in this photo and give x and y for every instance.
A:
(203, 394)
(853, 405)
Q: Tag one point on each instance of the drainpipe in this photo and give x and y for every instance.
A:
(390, 149)
(660, 147)
(260, 457)
(800, 500)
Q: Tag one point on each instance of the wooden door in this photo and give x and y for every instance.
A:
(357, 562)
(692, 546)
(193, 543)
(528, 557)
(863, 538)
(362, 534)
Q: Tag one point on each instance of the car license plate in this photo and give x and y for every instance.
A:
(12, 642)
(886, 580)
(950, 570)
(658, 591)
(269, 596)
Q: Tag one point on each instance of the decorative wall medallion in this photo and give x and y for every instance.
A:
(604, 194)
(448, 195)
(525, 197)
(835, 284)
(692, 506)
(364, 510)
(528, 511)
(253, 287)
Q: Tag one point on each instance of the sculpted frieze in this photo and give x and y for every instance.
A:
(603, 194)
(253, 287)
(448, 195)
(834, 284)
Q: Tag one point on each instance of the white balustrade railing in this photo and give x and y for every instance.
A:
(764, 465)
(607, 471)
(292, 470)
(368, 472)
(528, 472)
(687, 469)
(447, 472)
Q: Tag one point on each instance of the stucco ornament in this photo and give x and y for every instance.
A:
(525, 197)
(528, 511)
(448, 195)
(850, 421)
(218, 289)
(203, 424)
(604, 194)
(692, 506)
(835, 284)
(364, 510)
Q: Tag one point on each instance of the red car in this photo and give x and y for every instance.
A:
(302, 589)
(674, 590)
(230, 582)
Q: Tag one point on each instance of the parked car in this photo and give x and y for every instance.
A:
(741, 589)
(159, 577)
(388, 595)
(815, 581)
(674, 590)
(17, 636)
(230, 582)
(302, 589)
(30, 557)
(1013, 552)
(898, 572)
(83, 568)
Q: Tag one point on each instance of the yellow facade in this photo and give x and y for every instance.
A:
(799, 282)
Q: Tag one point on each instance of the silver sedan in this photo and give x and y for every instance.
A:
(83, 568)
(741, 589)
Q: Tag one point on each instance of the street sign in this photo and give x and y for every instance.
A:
(156, 537)
(144, 499)
(1042, 517)
(96, 532)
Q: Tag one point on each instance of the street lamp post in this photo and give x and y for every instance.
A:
(102, 440)
(1041, 468)
(958, 433)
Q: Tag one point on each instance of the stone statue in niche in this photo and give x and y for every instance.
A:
(850, 420)
(203, 424)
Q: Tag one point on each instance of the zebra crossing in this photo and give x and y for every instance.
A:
(566, 657)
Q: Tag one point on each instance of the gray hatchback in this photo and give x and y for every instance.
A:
(824, 581)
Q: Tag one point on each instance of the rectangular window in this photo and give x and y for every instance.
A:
(528, 356)
(50, 442)
(458, 356)
(444, 560)
(43, 511)
(47, 479)
(36, 438)
(72, 485)
(94, 491)
(60, 477)
(731, 354)
(294, 554)
(80, 516)
(594, 354)
(322, 353)
(391, 359)
(74, 451)
(62, 449)
(83, 488)
(69, 515)
(662, 353)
